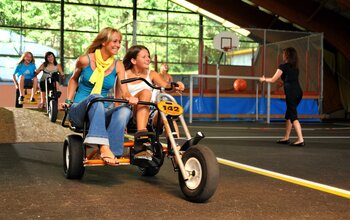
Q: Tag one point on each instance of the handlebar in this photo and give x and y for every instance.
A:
(103, 99)
(109, 99)
(172, 84)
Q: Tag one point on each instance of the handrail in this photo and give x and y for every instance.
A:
(218, 77)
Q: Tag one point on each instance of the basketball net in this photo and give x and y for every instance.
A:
(227, 48)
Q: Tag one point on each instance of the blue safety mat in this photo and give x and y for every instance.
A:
(234, 107)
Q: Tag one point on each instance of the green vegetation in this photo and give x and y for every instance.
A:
(169, 31)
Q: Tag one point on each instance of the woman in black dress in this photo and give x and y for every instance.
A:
(289, 73)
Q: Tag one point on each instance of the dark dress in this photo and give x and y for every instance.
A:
(292, 90)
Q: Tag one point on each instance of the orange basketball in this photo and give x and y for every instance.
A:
(239, 85)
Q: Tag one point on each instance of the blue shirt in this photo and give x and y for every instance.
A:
(85, 87)
(27, 71)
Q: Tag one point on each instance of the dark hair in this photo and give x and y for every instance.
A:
(291, 56)
(132, 54)
(47, 54)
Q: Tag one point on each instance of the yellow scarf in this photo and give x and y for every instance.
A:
(98, 75)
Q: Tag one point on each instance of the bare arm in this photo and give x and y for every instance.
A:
(73, 82)
(60, 71)
(274, 78)
(170, 77)
(37, 71)
(159, 81)
(121, 90)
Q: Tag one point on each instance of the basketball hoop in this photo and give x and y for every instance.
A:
(225, 41)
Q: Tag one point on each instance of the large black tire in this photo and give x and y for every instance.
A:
(48, 97)
(17, 105)
(201, 162)
(154, 170)
(53, 110)
(151, 168)
(47, 100)
(149, 171)
(73, 157)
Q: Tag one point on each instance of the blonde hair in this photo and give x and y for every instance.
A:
(24, 55)
(162, 67)
(105, 35)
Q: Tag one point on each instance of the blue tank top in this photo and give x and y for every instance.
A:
(85, 87)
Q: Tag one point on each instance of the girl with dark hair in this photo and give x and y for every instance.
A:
(289, 73)
(49, 68)
(136, 62)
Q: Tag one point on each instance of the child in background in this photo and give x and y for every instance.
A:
(24, 76)
(50, 68)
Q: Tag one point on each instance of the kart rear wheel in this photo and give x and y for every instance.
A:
(73, 157)
(53, 110)
(200, 162)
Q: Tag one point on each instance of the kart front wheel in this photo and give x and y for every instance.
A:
(73, 157)
(53, 110)
(17, 103)
(203, 174)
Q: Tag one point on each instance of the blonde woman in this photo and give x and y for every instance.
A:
(97, 72)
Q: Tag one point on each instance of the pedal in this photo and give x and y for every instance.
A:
(143, 141)
(145, 155)
(145, 159)
(142, 154)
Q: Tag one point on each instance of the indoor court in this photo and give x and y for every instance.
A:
(235, 75)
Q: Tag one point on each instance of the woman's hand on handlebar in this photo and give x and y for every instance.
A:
(66, 104)
(63, 76)
(132, 100)
(180, 86)
(62, 106)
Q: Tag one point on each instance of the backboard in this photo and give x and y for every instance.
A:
(225, 41)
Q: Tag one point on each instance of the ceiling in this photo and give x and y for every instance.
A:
(332, 17)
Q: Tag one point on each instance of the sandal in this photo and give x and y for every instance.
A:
(108, 159)
(41, 105)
